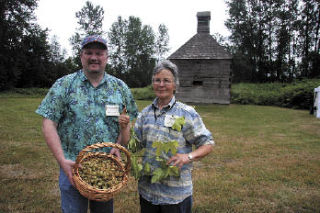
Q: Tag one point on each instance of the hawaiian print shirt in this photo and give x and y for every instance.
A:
(79, 109)
(151, 126)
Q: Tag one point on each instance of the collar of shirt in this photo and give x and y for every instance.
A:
(83, 77)
(169, 106)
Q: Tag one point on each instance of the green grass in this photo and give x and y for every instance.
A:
(266, 159)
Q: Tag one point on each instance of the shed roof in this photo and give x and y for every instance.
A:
(201, 46)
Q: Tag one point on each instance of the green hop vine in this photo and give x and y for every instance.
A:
(161, 149)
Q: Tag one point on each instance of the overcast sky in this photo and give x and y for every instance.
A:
(178, 15)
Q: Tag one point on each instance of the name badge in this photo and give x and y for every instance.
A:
(169, 120)
(112, 110)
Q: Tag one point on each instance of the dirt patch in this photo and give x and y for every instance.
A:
(14, 171)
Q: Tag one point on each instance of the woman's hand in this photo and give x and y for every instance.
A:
(178, 160)
(181, 159)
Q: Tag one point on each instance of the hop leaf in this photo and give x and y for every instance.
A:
(157, 175)
(134, 145)
(159, 147)
(136, 168)
(173, 171)
(147, 169)
(178, 123)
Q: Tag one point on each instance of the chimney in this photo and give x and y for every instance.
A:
(203, 22)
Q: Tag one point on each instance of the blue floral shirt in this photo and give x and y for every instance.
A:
(79, 109)
(151, 126)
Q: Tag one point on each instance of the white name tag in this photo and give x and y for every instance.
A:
(169, 120)
(112, 110)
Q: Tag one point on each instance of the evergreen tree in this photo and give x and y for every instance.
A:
(90, 20)
(132, 48)
(24, 52)
(162, 42)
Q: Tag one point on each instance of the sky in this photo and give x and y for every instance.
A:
(179, 16)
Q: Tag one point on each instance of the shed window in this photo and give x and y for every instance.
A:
(197, 83)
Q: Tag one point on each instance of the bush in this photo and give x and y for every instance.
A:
(298, 95)
(145, 93)
(22, 92)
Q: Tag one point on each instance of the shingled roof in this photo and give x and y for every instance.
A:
(202, 45)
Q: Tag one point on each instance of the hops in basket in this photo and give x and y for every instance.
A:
(100, 173)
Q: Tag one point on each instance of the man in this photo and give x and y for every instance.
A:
(81, 109)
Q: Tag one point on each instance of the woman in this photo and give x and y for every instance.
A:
(155, 123)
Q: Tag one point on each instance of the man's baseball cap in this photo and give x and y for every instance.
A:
(94, 39)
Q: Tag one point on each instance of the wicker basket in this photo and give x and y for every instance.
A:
(91, 192)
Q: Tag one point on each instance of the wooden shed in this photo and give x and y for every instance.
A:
(204, 67)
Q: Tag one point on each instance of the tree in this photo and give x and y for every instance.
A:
(90, 20)
(117, 44)
(309, 36)
(274, 40)
(24, 52)
(132, 48)
(162, 42)
(57, 53)
(239, 26)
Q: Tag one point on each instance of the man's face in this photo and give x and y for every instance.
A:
(93, 59)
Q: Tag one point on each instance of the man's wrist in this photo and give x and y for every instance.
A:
(190, 157)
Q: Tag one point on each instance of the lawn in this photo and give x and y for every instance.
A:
(266, 159)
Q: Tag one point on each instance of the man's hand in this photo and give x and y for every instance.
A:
(116, 152)
(124, 119)
(67, 166)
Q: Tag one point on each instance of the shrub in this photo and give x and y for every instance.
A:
(298, 95)
(145, 93)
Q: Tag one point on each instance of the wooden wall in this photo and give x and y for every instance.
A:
(204, 81)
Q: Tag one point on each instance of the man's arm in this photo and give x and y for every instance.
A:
(49, 129)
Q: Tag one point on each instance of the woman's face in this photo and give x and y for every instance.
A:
(164, 85)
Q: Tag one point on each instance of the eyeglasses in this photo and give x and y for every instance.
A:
(165, 81)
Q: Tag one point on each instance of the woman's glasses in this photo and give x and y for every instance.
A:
(165, 81)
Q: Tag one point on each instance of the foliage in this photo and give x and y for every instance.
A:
(297, 95)
(274, 40)
(27, 58)
(162, 42)
(24, 92)
(131, 51)
(144, 93)
(178, 123)
(90, 21)
(271, 41)
(162, 149)
(162, 171)
(20, 39)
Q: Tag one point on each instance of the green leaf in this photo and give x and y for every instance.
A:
(147, 169)
(136, 168)
(178, 123)
(134, 145)
(173, 171)
(172, 146)
(158, 146)
(157, 175)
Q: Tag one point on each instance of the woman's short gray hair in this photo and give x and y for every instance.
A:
(167, 65)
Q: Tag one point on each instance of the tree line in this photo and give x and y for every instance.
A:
(271, 40)
(28, 58)
(274, 40)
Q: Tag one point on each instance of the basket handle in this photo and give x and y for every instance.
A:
(102, 145)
